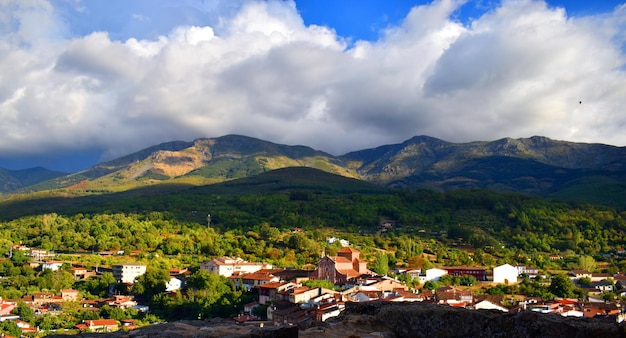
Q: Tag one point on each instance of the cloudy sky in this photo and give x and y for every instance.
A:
(83, 81)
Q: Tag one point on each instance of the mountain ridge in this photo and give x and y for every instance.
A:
(535, 165)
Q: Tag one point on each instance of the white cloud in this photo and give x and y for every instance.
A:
(519, 70)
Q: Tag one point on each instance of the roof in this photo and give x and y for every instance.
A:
(101, 322)
(346, 249)
(273, 285)
(463, 268)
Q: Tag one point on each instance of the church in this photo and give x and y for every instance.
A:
(339, 269)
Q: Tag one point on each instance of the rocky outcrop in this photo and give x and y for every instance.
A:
(214, 328)
(396, 320)
(385, 319)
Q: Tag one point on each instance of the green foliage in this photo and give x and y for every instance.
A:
(24, 311)
(464, 280)
(207, 295)
(431, 285)
(586, 262)
(317, 283)
(10, 328)
(562, 286)
(151, 283)
(381, 263)
(260, 311)
(585, 281)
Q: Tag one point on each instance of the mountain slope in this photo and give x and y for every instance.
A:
(203, 161)
(11, 180)
(535, 165)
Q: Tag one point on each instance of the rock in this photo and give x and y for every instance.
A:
(394, 320)
(387, 319)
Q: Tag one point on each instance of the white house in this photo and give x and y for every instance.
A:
(506, 274)
(226, 266)
(173, 284)
(126, 273)
(344, 243)
(434, 274)
(52, 265)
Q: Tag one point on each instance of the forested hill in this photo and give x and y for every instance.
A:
(11, 180)
(536, 165)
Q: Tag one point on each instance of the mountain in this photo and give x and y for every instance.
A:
(535, 165)
(11, 180)
(203, 161)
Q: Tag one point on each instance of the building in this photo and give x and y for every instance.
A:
(339, 269)
(99, 325)
(479, 273)
(52, 265)
(578, 274)
(227, 266)
(254, 279)
(273, 291)
(173, 284)
(128, 272)
(433, 274)
(70, 295)
(505, 274)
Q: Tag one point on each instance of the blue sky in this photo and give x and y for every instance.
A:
(84, 81)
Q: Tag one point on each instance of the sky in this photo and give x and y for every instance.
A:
(86, 81)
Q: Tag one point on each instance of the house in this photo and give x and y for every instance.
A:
(122, 302)
(505, 274)
(128, 272)
(80, 273)
(602, 286)
(385, 284)
(450, 295)
(367, 295)
(271, 291)
(344, 243)
(578, 274)
(46, 298)
(227, 266)
(40, 254)
(25, 327)
(479, 273)
(173, 284)
(596, 277)
(328, 310)
(6, 308)
(339, 269)
(254, 279)
(70, 295)
(433, 275)
(303, 294)
(52, 265)
(100, 325)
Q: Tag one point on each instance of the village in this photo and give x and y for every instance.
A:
(283, 297)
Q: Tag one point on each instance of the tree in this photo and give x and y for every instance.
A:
(10, 328)
(381, 263)
(587, 263)
(562, 286)
(25, 312)
(586, 281)
(431, 285)
(317, 283)
(151, 283)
